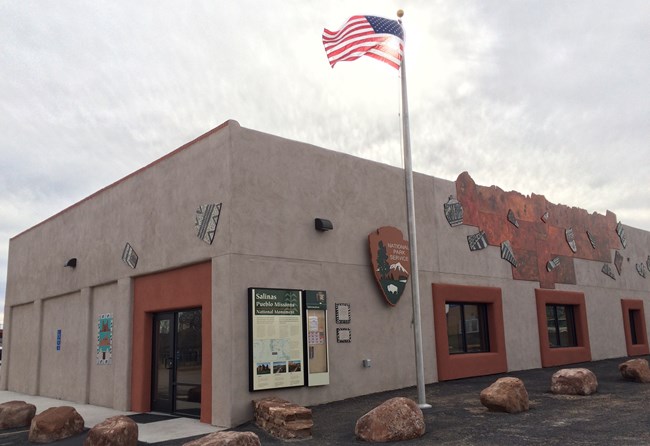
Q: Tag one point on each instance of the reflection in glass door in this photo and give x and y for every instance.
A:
(176, 380)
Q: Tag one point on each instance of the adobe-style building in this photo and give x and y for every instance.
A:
(245, 265)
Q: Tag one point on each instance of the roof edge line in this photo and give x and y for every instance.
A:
(121, 180)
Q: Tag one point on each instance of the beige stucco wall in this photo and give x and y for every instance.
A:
(154, 211)
(102, 377)
(20, 369)
(283, 186)
(271, 189)
(62, 374)
(603, 295)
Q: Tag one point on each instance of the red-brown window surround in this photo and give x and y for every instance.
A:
(642, 347)
(469, 364)
(563, 355)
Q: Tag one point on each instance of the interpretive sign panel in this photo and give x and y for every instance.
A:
(276, 338)
(317, 356)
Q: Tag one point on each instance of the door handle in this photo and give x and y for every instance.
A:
(169, 363)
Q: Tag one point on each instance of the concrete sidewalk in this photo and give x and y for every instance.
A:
(154, 432)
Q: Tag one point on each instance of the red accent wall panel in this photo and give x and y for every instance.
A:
(182, 288)
(535, 242)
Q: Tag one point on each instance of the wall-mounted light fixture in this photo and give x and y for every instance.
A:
(322, 224)
(72, 263)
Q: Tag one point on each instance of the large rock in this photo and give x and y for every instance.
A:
(394, 420)
(506, 395)
(55, 423)
(574, 382)
(114, 431)
(635, 370)
(229, 438)
(283, 419)
(16, 414)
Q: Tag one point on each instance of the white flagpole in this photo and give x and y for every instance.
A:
(410, 208)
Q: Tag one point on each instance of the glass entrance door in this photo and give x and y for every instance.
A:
(176, 363)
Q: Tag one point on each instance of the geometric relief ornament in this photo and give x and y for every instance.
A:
(512, 219)
(618, 262)
(570, 239)
(206, 221)
(592, 239)
(507, 254)
(640, 268)
(129, 256)
(608, 270)
(621, 234)
(390, 259)
(552, 264)
(342, 312)
(477, 241)
(344, 335)
(453, 212)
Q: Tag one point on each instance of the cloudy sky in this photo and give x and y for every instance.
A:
(550, 97)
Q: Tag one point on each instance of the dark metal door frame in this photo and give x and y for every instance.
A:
(166, 356)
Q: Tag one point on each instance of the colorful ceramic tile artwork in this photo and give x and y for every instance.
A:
(104, 339)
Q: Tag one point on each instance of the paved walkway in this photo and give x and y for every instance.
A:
(619, 413)
(155, 432)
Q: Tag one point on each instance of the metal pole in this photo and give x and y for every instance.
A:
(410, 208)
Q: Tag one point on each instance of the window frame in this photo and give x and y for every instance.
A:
(641, 347)
(569, 312)
(455, 366)
(482, 327)
(554, 356)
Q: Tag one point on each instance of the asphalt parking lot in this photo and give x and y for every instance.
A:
(618, 414)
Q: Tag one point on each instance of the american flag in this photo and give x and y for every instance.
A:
(368, 35)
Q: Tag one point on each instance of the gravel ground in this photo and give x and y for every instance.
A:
(615, 415)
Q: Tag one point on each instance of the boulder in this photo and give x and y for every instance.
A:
(283, 419)
(506, 395)
(16, 414)
(114, 431)
(394, 420)
(574, 382)
(227, 438)
(635, 370)
(55, 423)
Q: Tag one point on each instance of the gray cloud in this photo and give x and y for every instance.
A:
(546, 97)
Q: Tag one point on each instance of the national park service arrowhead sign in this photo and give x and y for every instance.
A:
(391, 262)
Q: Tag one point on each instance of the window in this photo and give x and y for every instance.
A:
(561, 326)
(636, 338)
(634, 316)
(467, 330)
